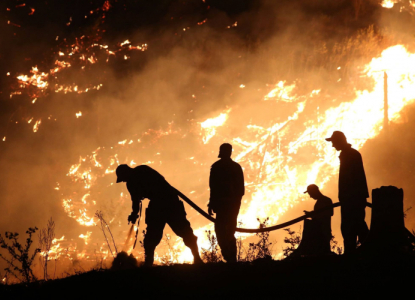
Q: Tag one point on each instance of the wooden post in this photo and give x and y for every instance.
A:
(387, 230)
(385, 103)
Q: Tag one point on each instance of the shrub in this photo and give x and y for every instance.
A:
(212, 254)
(21, 254)
(260, 249)
(293, 241)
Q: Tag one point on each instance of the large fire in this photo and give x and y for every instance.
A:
(269, 155)
(279, 158)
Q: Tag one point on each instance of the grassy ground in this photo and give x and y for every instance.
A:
(333, 277)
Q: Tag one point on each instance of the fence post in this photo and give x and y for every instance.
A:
(387, 228)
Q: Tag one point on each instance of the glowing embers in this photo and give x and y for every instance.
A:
(37, 79)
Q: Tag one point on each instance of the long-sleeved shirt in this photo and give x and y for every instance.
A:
(148, 183)
(352, 179)
(226, 181)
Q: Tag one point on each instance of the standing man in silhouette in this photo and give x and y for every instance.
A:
(353, 192)
(226, 190)
(164, 208)
(322, 221)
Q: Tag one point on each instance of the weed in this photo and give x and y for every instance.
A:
(212, 254)
(105, 227)
(172, 255)
(46, 236)
(20, 254)
(293, 241)
(334, 246)
(260, 249)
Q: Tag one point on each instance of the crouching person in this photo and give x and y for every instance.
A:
(321, 223)
(317, 231)
(164, 208)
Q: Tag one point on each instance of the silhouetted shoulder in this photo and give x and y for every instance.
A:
(147, 175)
(216, 164)
(324, 202)
(225, 162)
(351, 153)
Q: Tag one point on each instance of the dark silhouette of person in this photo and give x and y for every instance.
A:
(164, 208)
(322, 221)
(227, 187)
(353, 192)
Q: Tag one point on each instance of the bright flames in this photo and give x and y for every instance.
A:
(274, 179)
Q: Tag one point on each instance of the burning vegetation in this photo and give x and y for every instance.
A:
(120, 82)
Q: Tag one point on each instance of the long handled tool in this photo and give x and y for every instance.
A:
(138, 224)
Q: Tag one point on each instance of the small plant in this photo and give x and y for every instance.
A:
(240, 247)
(172, 255)
(334, 246)
(293, 241)
(46, 236)
(260, 249)
(20, 254)
(212, 254)
(105, 227)
(406, 210)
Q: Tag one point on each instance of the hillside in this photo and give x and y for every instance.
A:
(333, 277)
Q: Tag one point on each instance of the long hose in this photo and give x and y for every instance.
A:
(275, 227)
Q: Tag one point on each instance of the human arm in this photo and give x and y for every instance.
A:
(241, 181)
(213, 189)
(136, 198)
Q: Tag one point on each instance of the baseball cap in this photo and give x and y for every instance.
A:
(337, 136)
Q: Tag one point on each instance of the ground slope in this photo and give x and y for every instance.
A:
(332, 277)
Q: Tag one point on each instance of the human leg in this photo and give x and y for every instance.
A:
(181, 226)
(348, 230)
(361, 227)
(225, 226)
(155, 225)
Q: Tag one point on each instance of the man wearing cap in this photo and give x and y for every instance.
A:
(353, 192)
(164, 208)
(227, 187)
(322, 221)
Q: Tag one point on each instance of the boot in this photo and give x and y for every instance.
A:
(196, 256)
(149, 260)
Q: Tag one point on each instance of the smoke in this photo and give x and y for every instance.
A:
(158, 98)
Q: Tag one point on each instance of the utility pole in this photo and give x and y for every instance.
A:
(385, 103)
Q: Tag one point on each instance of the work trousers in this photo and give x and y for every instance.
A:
(353, 226)
(225, 227)
(157, 216)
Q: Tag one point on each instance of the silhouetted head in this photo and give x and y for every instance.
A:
(313, 191)
(225, 150)
(123, 173)
(338, 140)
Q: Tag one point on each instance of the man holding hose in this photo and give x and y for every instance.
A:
(164, 208)
(227, 187)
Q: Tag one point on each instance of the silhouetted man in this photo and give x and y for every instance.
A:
(164, 208)
(226, 190)
(353, 192)
(322, 221)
